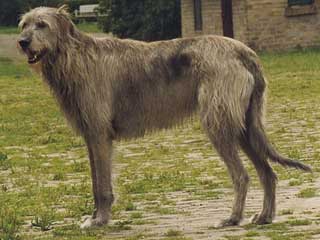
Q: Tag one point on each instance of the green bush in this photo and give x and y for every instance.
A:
(11, 10)
(143, 20)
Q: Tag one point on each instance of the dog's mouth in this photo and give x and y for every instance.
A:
(34, 56)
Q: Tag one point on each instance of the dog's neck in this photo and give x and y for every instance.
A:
(58, 63)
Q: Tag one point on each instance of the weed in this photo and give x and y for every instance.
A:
(299, 222)
(5, 163)
(136, 215)
(120, 225)
(307, 193)
(10, 223)
(130, 207)
(252, 234)
(286, 212)
(44, 219)
(173, 233)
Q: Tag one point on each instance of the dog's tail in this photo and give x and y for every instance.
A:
(255, 133)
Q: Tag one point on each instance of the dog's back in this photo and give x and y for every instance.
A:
(159, 83)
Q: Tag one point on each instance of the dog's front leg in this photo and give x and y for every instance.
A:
(100, 151)
(93, 178)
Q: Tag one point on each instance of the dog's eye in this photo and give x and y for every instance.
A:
(41, 25)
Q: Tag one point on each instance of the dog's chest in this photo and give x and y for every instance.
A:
(70, 97)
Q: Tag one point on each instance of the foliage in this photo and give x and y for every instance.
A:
(9, 224)
(44, 219)
(11, 10)
(144, 20)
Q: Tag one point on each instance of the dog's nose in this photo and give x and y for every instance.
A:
(24, 43)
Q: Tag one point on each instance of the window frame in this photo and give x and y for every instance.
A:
(300, 2)
(301, 7)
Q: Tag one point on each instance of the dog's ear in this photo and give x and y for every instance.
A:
(20, 24)
(65, 20)
(64, 10)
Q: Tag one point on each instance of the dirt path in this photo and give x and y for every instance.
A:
(199, 218)
(8, 47)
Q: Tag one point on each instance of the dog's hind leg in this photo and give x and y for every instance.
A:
(255, 148)
(224, 138)
(268, 181)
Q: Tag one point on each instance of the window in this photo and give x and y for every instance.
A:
(300, 7)
(300, 2)
(197, 15)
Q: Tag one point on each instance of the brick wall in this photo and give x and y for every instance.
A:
(270, 28)
(262, 24)
(211, 18)
(240, 24)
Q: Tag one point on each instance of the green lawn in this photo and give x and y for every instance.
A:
(163, 180)
(8, 30)
(89, 27)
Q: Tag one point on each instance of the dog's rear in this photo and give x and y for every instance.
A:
(231, 110)
(254, 132)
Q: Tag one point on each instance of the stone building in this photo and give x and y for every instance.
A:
(261, 24)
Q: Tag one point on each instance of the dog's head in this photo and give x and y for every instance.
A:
(42, 29)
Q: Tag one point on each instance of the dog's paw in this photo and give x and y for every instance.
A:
(261, 219)
(229, 222)
(93, 222)
(87, 223)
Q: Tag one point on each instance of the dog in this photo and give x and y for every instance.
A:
(111, 89)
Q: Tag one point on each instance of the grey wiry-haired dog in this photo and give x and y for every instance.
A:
(111, 89)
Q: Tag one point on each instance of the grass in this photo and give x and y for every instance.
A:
(10, 223)
(286, 212)
(8, 30)
(44, 219)
(89, 27)
(173, 233)
(45, 185)
(299, 222)
(307, 193)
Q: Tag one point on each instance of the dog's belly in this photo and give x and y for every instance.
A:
(149, 108)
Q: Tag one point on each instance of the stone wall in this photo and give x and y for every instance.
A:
(262, 24)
